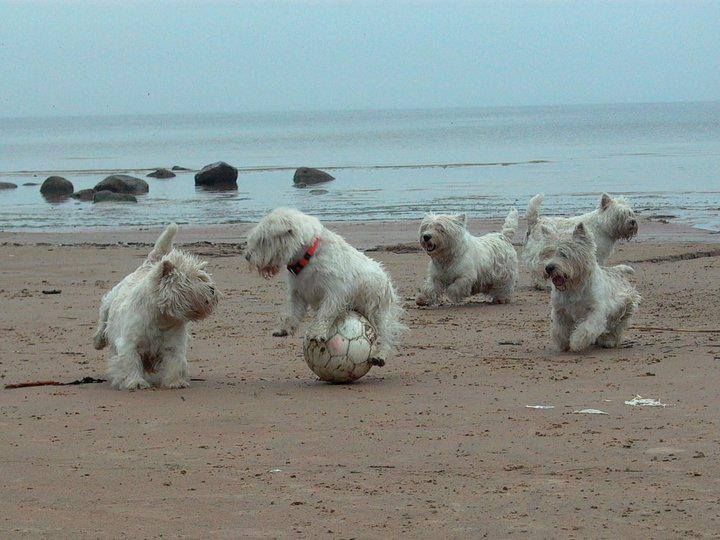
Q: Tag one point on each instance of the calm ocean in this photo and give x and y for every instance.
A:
(388, 164)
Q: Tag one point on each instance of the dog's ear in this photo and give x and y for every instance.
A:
(460, 218)
(166, 268)
(580, 233)
(605, 201)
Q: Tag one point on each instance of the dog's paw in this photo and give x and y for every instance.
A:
(608, 341)
(317, 332)
(134, 384)
(580, 340)
(178, 383)
(422, 300)
(316, 336)
(379, 362)
(456, 295)
(99, 341)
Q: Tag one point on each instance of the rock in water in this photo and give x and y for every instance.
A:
(56, 185)
(305, 176)
(162, 173)
(111, 196)
(217, 175)
(84, 195)
(179, 168)
(122, 183)
(7, 185)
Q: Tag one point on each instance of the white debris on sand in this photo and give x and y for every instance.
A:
(589, 411)
(639, 401)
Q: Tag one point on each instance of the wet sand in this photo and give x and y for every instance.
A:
(439, 443)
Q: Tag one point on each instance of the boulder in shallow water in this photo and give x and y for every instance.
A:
(162, 173)
(122, 183)
(111, 196)
(7, 185)
(217, 175)
(179, 168)
(31, 184)
(55, 186)
(306, 176)
(84, 195)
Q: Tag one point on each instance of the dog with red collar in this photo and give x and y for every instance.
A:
(324, 274)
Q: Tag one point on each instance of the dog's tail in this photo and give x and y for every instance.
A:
(164, 243)
(510, 226)
(533, 211)
(624, 269)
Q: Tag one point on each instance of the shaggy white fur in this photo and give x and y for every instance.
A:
(144, 317)
(462, 265)
(613, 220)
(590, 303)
(337, 279)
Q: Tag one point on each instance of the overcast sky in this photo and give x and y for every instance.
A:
(164, 57)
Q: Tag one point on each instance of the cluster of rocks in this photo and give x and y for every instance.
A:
(124, 188)
(222, 176)
(114, 188)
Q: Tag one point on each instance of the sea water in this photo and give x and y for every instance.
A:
(388, 165)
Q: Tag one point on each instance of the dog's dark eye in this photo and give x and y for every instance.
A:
(289, 231)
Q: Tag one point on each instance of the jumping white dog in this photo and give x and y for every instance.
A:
(613, 220)
(144, 317)
(462, 265)
(327, 274)
(590, 303)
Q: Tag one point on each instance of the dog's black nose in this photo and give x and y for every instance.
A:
(550, 268)
(247, 256)
(632, 222)
(427, 237)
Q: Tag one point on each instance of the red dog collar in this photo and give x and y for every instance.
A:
(298, 266)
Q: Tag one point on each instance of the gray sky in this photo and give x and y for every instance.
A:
(163, 57)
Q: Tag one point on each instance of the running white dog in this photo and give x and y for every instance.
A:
(590, 303)
(613, 220)
(462, 265)
(326, 274)
(144, 317)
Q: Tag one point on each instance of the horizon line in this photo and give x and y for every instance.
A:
(356, 110)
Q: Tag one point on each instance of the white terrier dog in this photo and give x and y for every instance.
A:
(613, 220)
(144, 317)
(462, 265)
(590, 303)
(326, 274)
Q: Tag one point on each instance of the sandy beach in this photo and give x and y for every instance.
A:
(438, 443)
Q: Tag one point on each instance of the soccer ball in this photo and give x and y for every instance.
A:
(345, 355)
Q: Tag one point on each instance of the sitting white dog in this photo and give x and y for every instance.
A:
(462, 265)
(590, 303)
(144, 317)
(326, 274)
(613, 220)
